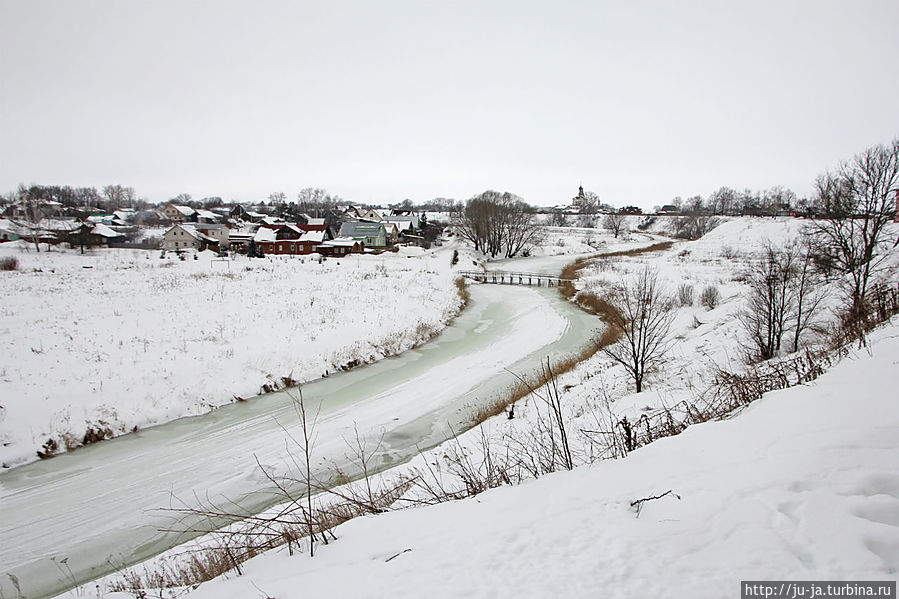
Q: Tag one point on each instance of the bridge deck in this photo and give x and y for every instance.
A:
(501, 277)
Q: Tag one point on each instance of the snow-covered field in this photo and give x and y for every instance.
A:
(117, 339)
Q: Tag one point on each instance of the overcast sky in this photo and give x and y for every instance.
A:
(382, 101)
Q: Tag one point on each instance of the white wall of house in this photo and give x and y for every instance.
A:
(177, 238)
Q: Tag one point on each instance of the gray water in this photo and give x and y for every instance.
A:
(99, 507)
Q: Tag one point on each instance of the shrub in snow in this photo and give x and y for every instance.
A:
(685, 295)
(9, 263)
(710, 297)
(49, 449)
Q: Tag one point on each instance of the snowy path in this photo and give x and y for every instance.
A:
(101, 503)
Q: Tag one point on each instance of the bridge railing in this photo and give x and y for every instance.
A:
(502, 277)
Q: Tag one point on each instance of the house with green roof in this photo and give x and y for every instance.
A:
(372, 234)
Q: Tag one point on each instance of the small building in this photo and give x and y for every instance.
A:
(238, 212)
(405, 216)
(9, 231)
(341, 246)
(207, 216)
(32, 210)
(288, 240)
(392, 232)
(240, 238)
(178, 213)
(90, 234)
(371, 234)
(272, 222)
(220, 232)
(184, 236)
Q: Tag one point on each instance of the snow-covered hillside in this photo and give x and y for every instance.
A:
(801, 485)
(115, 339)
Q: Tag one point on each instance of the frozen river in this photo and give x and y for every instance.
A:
(99, 507)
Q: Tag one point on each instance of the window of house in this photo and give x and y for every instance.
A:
(293, 248)
(280, 247)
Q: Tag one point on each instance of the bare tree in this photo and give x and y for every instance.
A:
(558, 219)
(497, 223)
(117, 196)
(857, 205)
(642, 315)
(33, 212)
(766, 312)
(613, 223)
(591, 206)
(785, 296)
(723, 201)
(305, 443)
(808, 291)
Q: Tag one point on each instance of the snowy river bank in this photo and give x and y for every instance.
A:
(99, 507)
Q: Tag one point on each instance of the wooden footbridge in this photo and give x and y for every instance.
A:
(513, 278)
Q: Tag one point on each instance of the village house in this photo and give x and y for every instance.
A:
(207, 216)
(405, 216)
(272, 222)
(290, 239)
(9, 231)
(317, 224)
(373, 235)
(177, 213)
(239, 239)
(221, 233)
(185, 235)
(403, 225)
(90, 234)
(341, 246)
(32, 210)
(392, 232)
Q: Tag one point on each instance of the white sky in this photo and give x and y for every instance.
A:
(382, 101)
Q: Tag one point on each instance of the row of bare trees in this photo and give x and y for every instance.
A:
(497, 223)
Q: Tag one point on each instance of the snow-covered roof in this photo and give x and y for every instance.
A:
(8, 225)
(104, 231)
(360, 229)
(315, 222)
(48, 224)
(312, 236)
(207, 214)
(185, 210)
(401, 225)
(295, 228)
(265, 234)
(340, 242)
(193, 232)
